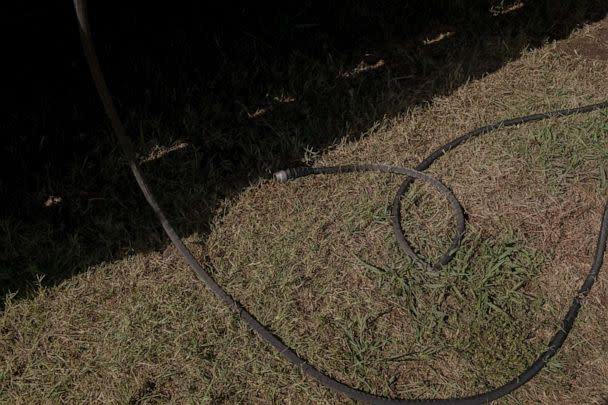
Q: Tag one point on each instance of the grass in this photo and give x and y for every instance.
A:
(316, 261)
(570, 152)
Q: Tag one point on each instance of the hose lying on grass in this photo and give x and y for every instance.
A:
(412, 174)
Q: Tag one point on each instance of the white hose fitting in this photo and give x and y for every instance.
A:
(281, 176)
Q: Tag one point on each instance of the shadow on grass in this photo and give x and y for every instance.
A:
(217, 97)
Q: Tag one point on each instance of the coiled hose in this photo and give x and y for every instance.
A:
(264, 333)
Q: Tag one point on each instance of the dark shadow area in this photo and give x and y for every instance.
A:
(215, 97)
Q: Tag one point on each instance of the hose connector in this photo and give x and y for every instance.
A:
(281, 176)
(293, 173)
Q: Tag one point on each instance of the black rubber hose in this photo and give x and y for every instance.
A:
(296, 172)
(560, 335)
(264, 333)
(442, 150)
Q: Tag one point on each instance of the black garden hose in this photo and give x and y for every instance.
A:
(264, 333)
(285, 175)
(442, 150)
(568, 322)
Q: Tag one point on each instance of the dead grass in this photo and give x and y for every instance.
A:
(316, 261)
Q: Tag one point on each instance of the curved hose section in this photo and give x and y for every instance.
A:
(285, 175)
(264, 333)
(442, 150)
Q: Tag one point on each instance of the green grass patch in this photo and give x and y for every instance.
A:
(568, 150)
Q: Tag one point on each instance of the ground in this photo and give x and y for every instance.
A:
(316, 261)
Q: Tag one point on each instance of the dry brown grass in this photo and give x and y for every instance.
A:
(316, 261)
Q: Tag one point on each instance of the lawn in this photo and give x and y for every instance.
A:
(316, 261)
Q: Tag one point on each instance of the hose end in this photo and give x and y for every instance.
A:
(281, 176)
